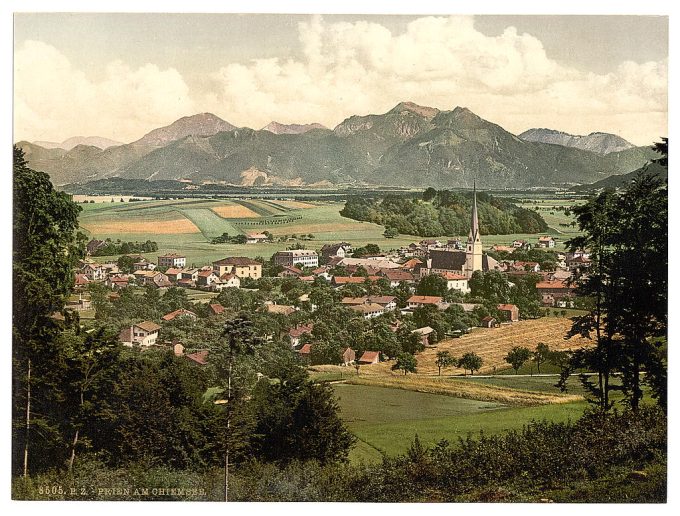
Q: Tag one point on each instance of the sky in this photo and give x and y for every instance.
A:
(122, 75)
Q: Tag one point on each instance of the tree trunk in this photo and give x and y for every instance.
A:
(73, 452)
(226, 459)
(28, 418)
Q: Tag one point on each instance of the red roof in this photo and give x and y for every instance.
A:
(200, 357)
(397, 275)
(217, 308)
(425, 300)
(81, 279)
(239, 261)
(177, 313)
(410, 264)
(343, 280)
(370, 356)
(562, 284)
(507, 307)
(305, 350)
(301, 330)
(205, 274)
(451, 276)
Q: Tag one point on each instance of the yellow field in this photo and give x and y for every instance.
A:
(235, 211)
(160, 227)
(461, 389)
(296, 205)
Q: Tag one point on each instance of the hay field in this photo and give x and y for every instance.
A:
(234, 211)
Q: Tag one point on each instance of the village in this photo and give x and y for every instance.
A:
(439, 281)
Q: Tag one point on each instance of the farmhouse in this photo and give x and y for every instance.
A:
(456, 282)
(297, 332)
(158, 280)
(226, 281)
(546, 242)
(368, 310)
(555, 292)
(417, 301)
(179, 313)
(396, 276)
(305, 352)
(142, 334)
(389, 303)
(240, 266)
(348, 357)
(256, 238)
(81, 281)
(340, 250)
(425, 334)
(489, 322)
(174, 274)
(370, 358)
(510, 312)
(206, 278)
(172, 260)
(290, 272)
(216, 309)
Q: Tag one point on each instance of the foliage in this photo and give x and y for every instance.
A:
(517, 357)
(470, 361)
(432, 285)
(444, 359)
(119, 247)
(405, 362)
(443, 213)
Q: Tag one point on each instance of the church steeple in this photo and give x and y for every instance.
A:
(473, 251)
(474, 225)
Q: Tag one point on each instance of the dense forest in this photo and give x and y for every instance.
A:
(444, 212)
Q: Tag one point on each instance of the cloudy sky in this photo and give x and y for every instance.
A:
(121, 75)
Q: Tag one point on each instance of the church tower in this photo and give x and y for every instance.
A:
(473, 251)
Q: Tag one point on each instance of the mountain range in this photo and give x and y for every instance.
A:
(94, 141)
(410, 145)
(602, 143)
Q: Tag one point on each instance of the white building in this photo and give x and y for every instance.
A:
(301, 257)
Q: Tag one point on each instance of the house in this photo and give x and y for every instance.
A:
(370, 357)
(368, 310)
(546, 242)
(396, 276)
(186, 283)
(290, 272)
(431, 243)
(411, 264)
(142, 264)
(339, 281)
(305, 352)
(341, 250)
(456, 281)
(94, 245)
(189, 274)
(510, 312)
(199, 357)
(301, 257)
(578, 263)
(142, 334)
(158, 280)
(174, 274)
(206, 278)
(424, 333)
(256, 238)
(389, 303)
(240, 266)
(353, 301)
(555, 292)
(216, 309)
(280, 309)
(226, 281)
(81, 281)
(348, 357)
(93, 271)
(299, 331)
(456, 244)
(378, 262)
(503, 248)
(172, 260)
(418, 301)
(489, 322)
(179, 313)
(520, 244)
(527, 266)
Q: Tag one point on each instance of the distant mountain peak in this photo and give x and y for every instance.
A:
(279, 128)
(70, 143)
(412, 107)
(201, 124)
(599, 142)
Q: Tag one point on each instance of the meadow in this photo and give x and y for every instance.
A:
(385, 421)
(186, 226)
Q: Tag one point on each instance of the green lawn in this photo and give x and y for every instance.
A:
(386, 420)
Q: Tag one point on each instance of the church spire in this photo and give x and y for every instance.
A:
(474, 225)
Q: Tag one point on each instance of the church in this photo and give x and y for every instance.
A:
(465, 262)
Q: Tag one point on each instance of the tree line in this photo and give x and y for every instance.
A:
(442, 212)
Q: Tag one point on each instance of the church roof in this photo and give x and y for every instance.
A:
(447, 260)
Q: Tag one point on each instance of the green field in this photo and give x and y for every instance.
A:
(196, 224)
(385, 421)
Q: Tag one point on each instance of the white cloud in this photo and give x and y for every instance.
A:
(54, 101)
(350, 68)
